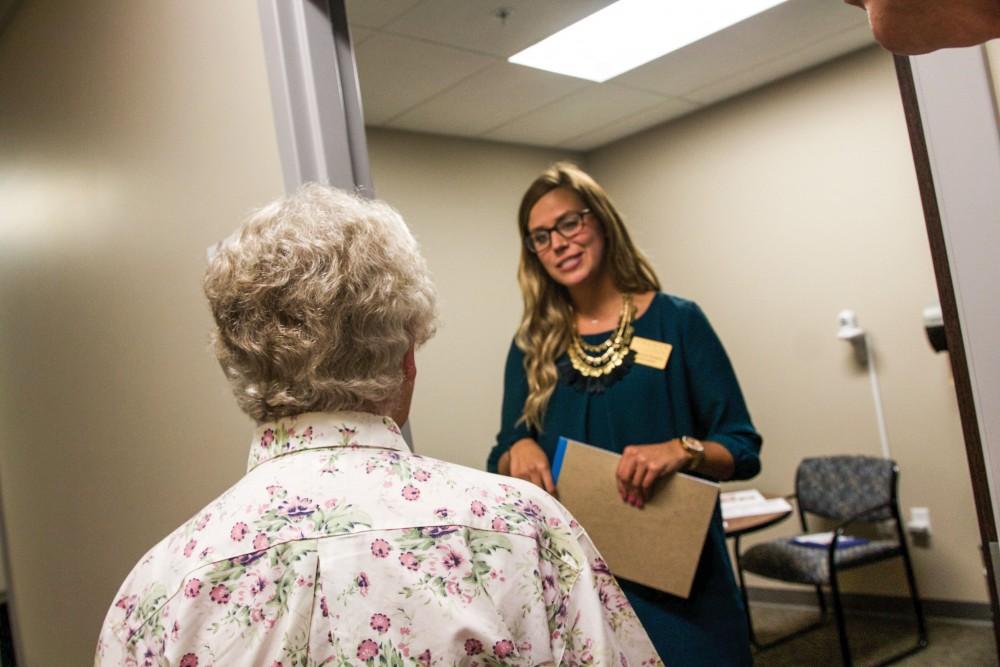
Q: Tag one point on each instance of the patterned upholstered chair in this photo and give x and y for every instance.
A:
(847, 490)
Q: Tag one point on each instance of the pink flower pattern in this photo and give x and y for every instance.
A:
(380, 623)
(239, 531)
(367, 650)
(219, 594)
(380, 548)
(473, 647)
(409, 561)
(337, 519)
(192, 588)
(503, 648)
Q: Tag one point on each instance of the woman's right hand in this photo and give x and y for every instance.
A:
(527, 460)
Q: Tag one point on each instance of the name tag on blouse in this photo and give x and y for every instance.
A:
(651, 353)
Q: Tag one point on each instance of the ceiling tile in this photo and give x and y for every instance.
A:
(376, 13)
(397, 73)
(754, 77)
(487, 99)
(630, 125)
(427, 66)
(786, 28)
(474, 25)
(586, 110)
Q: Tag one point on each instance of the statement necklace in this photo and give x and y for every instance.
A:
(594, 361)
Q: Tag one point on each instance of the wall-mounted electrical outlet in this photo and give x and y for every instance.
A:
(920, 520)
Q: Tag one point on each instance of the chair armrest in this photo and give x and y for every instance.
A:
(839, 528)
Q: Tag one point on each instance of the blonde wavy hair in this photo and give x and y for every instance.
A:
(547, 322)
(316, 301)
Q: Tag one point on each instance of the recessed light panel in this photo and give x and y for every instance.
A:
(630, 33)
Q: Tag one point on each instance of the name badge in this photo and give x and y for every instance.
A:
(651, 352)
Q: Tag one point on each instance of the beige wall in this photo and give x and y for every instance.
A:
(460, 198)
(775, 211)
(132, 136)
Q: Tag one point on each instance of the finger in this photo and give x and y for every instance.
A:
(638, 475)
(648, 481)
(522, 471)
(626, 466)
(626, 473)
(549, 485)
(621, 489)
(535, 478)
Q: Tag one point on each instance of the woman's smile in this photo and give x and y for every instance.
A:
(569, 263)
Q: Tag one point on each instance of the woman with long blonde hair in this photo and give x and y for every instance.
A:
(602, 356)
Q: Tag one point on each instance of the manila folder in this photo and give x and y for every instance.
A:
(658, 545)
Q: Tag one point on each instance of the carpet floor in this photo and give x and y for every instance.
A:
(873, 637)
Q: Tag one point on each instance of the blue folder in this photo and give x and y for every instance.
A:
(558, 459)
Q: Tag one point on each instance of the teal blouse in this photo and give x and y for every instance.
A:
(697, 394)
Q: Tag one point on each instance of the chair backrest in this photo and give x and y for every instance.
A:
(838, 487)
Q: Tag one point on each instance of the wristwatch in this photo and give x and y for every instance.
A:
(693, 447)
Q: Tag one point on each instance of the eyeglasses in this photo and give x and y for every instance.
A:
(568, 226)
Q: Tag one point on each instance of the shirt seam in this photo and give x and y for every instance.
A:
(322, 448)
(188, 573)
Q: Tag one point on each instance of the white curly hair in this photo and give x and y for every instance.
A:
(316, 301)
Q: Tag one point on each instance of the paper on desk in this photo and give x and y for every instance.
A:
(750, 503)
(741, 497)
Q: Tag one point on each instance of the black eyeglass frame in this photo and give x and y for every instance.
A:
(529, 242)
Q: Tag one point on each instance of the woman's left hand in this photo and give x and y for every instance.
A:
(642, 465)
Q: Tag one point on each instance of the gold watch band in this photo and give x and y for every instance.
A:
(695, 448)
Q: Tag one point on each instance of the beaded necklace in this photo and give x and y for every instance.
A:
(594, 361)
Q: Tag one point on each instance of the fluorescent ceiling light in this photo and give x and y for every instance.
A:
(629, 33)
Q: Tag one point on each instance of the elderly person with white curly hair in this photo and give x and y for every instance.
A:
(339, 546)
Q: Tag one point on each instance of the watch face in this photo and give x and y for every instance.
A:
(692, 444)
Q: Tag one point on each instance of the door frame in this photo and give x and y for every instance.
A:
(950, 106)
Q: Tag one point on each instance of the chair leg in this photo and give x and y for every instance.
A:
(822, 601)
(838, 613)
(918, 608)
(743, 593)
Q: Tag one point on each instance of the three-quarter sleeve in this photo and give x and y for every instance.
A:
(515, 391)
(718, 407)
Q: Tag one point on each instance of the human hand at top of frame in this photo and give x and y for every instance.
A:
(528, 461)
(910, 27)
(641, 465)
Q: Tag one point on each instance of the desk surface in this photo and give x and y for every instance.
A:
(748, 524)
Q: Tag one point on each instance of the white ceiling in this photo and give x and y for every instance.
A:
(440, 66)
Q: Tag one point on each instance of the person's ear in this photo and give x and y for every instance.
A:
(409, 365)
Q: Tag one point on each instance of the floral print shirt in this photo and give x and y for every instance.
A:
(340, 547)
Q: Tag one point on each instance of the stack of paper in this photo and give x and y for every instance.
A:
(750, 502)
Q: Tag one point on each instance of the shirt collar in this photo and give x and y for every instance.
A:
(321, 430)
